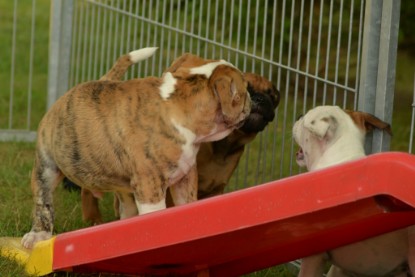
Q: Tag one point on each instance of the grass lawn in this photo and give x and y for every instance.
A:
(16, 204)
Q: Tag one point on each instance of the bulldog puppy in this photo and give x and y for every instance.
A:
(136, 137)
(216, 161)
(328, 135)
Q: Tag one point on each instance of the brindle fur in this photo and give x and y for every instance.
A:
(216, 161)
(119, 136)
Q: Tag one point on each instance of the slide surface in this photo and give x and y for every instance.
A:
(253, 228)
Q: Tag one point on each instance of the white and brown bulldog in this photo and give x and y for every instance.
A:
(139, 136)
(328, 135)
(216, 160)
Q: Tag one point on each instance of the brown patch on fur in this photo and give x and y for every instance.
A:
(368, 122)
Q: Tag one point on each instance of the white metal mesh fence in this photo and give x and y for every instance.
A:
(23, 71)
(315, 52)
(309, 49)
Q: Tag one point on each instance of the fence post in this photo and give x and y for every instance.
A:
(378, 67)
(60, 42)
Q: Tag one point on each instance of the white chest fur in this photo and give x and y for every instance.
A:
(189, 152)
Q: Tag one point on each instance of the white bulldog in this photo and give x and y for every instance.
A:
(329, 135)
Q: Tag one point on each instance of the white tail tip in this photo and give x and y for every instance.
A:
(142, 54)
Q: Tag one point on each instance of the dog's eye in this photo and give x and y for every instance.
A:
(299, 117)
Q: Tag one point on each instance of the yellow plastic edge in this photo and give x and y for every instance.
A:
(40, 261)
(11, 248)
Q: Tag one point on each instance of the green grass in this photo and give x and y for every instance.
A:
(16, 205)
(21, 69)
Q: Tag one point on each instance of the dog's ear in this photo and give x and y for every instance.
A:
(230, 87)
(368, 122)
(320, 125)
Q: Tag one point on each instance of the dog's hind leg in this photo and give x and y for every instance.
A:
(45, 177)
(90, 207)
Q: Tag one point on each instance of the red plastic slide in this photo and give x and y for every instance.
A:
(254, 228)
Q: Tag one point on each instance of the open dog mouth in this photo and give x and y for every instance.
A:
(299, 155)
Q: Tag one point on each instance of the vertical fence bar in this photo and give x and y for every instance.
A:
(320, 23)
(280, 57)
(155, 35)
(385, 86)
(307, 67)
(230, 28)
(285, 125)
(349, 42)
(275, 126)
(176, 37)
(222, 37)
(336, 71)
(199, 27)
(359, 51)
(326, 71)
(296, 89)
(32, 49)
(97, 43)
(168, 59)
(12, 65)
(207, 28)
(378, 68)
(104, 37)
(72, 75)
(265, 149)
(59, 48)
(135, 32)
(92, 41)
(84, 40)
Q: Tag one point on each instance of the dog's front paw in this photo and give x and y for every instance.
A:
(29, 239)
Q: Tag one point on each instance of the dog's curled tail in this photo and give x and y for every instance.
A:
(124, 62)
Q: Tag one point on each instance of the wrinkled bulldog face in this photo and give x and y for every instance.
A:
(264, 100)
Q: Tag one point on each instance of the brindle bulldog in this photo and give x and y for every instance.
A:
(136, 138)
(216, 161)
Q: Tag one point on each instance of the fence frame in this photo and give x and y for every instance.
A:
(59, 48)
(378, 66)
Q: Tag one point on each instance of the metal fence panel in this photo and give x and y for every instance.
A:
(310, 59)
(313, 51)
(379, 66)
(22, 68)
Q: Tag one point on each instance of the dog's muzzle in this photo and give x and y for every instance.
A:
(262, 112)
